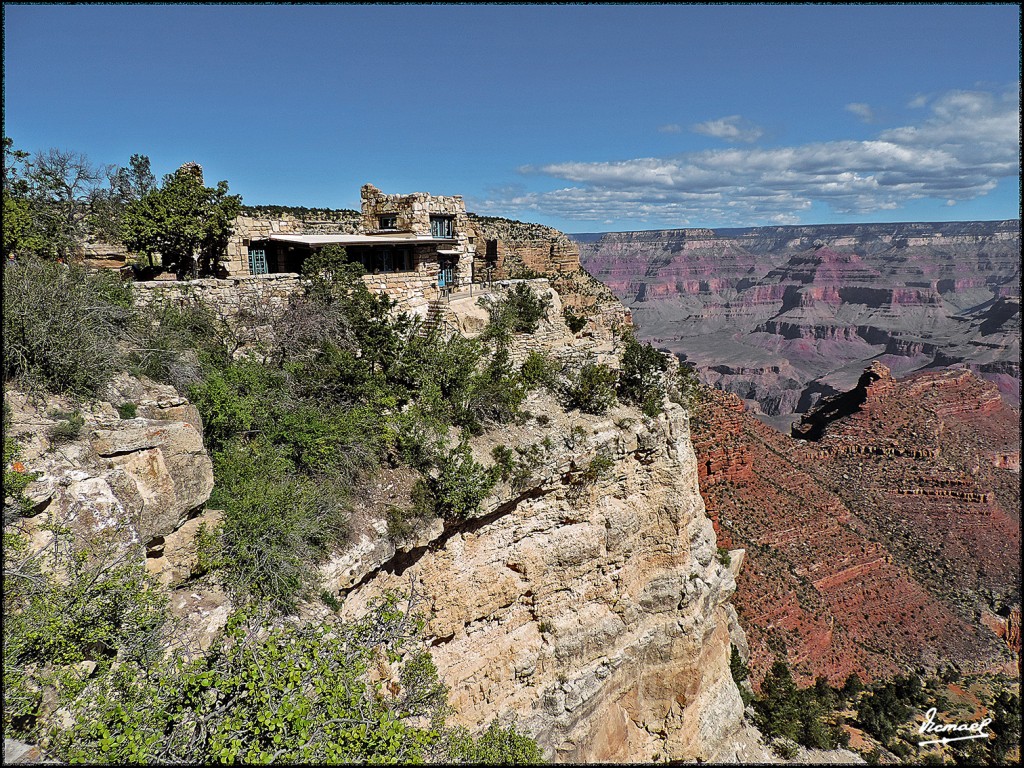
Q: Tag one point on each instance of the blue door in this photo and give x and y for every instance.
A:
(258, 261)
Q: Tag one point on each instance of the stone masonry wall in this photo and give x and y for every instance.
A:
(258, 227)
(412, 214)
(523, 248)
(267, 296)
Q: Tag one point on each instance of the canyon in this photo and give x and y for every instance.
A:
(782, 316)
(883, 534)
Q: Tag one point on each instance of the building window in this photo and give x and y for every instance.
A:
(390, 221)
(258, 261)
(442, 226)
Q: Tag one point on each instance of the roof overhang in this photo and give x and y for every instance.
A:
(313, 241)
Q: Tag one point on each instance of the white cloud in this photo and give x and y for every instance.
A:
(670, 128)
(732, 128)
(917, 102)
(861, 110)
(959, 150)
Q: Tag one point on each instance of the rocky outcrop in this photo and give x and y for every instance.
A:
(143, 476)
(593, 609)
(821, 302)
(889, 540)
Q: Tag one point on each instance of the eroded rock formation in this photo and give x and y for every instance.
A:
(886, 540)
(594, 611)
(784, 315)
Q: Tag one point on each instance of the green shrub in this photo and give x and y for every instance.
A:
(641, 380)
(598, 468)
(176, 342)
(504, 460)
(462, 483)
(590, 388)
(575, 322)
(102, 607)
(68, 429)
(290, 694)
(278, 524)
(241, 398)
(493, 396)
(685, 388)
(209, 551)
(724, 557)
(520, 310)
(16, 477)
(405, 523)
(538, 370)
(63, 327)
(127, 410)
(502, 746)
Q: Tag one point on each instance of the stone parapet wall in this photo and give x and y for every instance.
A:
(412, 290)
(266, 296)
(228, 298)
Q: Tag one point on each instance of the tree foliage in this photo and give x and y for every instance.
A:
(64, 328)
(641, 380)
(184, 221)
(589, 388)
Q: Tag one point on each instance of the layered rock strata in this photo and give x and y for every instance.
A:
(594, 610)
(784, 315)
(889, 540)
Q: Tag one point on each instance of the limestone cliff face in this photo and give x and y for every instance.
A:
(594, 613)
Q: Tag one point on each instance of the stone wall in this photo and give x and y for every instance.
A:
(228, 298)
(259, 225)
(516, 249)
(266, 296)
(412, 214)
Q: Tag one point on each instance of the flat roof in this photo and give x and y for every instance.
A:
(340, 239)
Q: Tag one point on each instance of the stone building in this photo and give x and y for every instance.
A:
(418, 240)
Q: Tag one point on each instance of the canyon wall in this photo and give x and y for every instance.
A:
(587, 602)
(883, 535)
(781, 316)
(594, 611)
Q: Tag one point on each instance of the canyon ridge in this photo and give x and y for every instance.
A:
(781, 316)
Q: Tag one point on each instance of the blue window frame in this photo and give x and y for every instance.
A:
(442, 226)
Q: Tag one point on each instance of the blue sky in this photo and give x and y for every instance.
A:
(586, 118)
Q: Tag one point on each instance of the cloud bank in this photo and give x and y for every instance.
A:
(967, 141)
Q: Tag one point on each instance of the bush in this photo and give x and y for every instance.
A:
(575, 322)
(127, 411)
(685, 388)
(102, 607)
(597, 468)
(176, 342)
(724, 557)
(538, 370)
(461, 484)
(520, 310)
(590, 388)
(289, 694)
(63, 327)
(16, 477)
(68, 429)
(641, 381)
(405, 523)
(278, 524)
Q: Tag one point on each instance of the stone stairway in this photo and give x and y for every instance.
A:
(434, 318)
